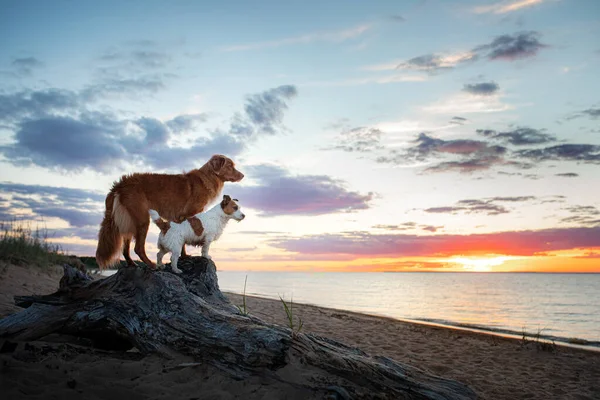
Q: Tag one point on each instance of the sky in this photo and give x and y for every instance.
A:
(418, 135)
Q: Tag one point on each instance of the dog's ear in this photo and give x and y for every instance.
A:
(217, 162)
(226, 200)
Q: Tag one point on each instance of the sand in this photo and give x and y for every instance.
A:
(495, 367)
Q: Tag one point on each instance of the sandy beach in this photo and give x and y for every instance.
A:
(494, 367)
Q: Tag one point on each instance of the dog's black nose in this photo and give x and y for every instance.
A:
(243, 216)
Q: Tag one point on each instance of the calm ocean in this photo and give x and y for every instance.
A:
(560, 305)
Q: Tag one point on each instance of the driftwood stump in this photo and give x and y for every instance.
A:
(168, 313)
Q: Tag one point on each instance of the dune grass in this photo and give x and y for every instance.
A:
(22, 245)
(242, 308)
(289, 312)
(537, 339)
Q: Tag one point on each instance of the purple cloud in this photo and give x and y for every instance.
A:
(519, 243)
(278, 192)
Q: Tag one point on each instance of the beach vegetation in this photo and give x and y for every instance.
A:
(22, 245)
(289, 312)
(242, 308)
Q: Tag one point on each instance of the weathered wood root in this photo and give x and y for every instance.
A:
(187, 313)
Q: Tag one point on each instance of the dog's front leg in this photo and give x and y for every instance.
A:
(205, 249)
(174, 259)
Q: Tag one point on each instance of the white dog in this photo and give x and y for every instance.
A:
(200, 230)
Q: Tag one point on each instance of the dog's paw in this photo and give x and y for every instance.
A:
(176, 270)
(208, 257)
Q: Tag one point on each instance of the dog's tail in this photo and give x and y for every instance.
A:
(116, 225)
(161, 223)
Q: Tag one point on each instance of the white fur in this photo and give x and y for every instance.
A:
(213, 221)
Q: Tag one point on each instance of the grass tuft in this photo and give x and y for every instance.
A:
(243, 310)
(289, 311)
(22, 245)
(540, 343)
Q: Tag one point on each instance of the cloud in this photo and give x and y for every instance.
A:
(587, 153)
(426, 145)
(519, 136)
(568, 175)
(512, 199)
(407, 226)
(331, 37)
(503, 7)
(466, 103)
(78, 207)
(360, 140)
(26, 65)
(483, 206)
(397, 18)
(472, 207)
(53, 130)
(590, 254)
(139, 57)
(133, 69)
(66, 143)
(517, 243)
(185, 122)
(264, 112)
(505, 47)
(467, 155)
(482, 89)
(458, 121)
(400, 227)
(277, 192)
(475, 164)
(134, 56)
(431, 63)
(512, 47)
(34, 104)
(476, 155)
(431, 228)
(592, 112)
(582, 215)
(118, 86)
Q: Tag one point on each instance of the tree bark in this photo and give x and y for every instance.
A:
(168, 313)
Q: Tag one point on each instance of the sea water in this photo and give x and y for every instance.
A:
(562, 306)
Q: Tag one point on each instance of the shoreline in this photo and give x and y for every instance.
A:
(593, 346)
(497, 366)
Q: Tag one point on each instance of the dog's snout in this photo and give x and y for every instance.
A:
(243, 216)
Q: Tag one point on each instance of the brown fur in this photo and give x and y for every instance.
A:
(198, 229)
(163, 225)
(229, 205)
(196, 225)
(174, 196)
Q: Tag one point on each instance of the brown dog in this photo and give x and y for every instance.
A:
(175, 197)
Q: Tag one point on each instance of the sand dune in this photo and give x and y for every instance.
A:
(496, 368)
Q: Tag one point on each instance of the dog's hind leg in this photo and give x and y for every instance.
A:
(140, 241)
(159, 257)
(183, 253)
(126, 245)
